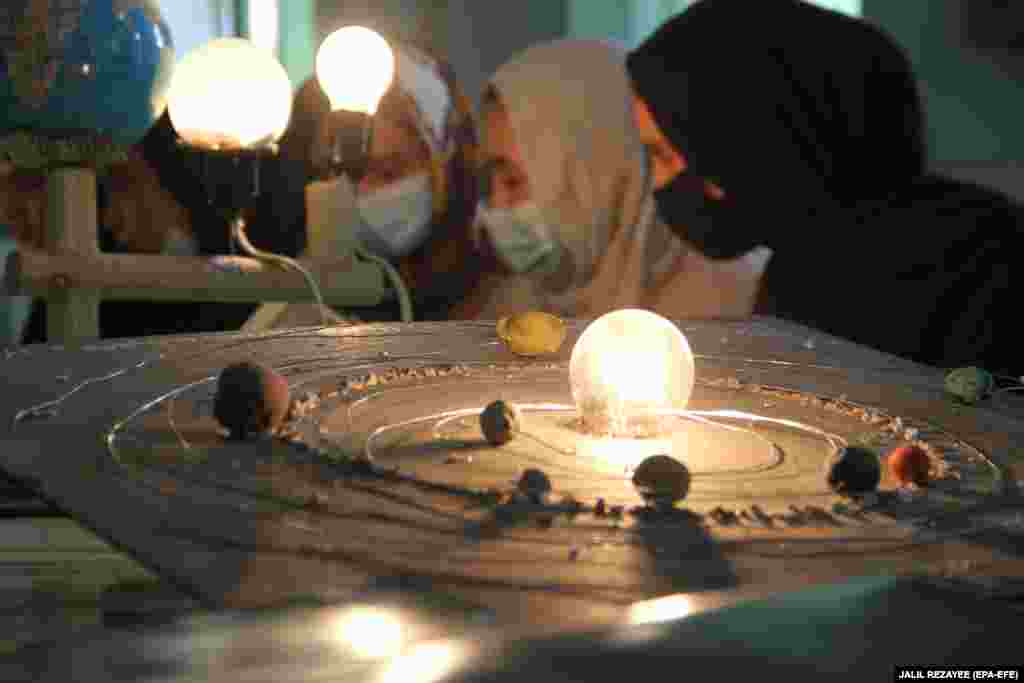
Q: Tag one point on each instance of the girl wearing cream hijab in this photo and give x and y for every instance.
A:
(568, 207)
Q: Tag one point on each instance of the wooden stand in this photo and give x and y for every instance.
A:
(74, 276)
(73, 315)
(151, 277)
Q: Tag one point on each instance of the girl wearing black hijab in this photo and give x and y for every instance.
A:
(777, 123)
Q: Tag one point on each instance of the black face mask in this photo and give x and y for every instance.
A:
(707, 224)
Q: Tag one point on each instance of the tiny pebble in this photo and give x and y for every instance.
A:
(600, 508)
(841, 509)
(574, 554)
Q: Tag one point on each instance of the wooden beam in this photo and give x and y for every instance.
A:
(60, 276)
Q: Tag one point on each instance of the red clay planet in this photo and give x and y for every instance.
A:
(252, 400)
(909, 465)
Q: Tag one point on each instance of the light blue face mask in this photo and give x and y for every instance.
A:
(521, 237)
(396, 219)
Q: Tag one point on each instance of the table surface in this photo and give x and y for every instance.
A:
(296, 530)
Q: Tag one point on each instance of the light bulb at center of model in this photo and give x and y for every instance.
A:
(630, 371)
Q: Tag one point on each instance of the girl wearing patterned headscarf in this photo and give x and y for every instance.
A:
(416, 203)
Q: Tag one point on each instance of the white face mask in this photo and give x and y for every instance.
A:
(397, 219)
(521, 237)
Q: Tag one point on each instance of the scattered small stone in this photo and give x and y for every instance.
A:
(662, 481)
(574, 506)
(535, 485)
(820, 515)
(499, 422)
(317, 501)
(600, 509)
(907, 494)
(853, 470)
(794, 518)
(722, 516)
(760, 515)
(869, 499)
(841, 509)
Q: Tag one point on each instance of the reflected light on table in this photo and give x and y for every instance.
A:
(425, 663)
(370, 632)
(659, 610)
(621, 453)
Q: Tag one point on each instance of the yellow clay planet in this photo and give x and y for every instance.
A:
(533, 333)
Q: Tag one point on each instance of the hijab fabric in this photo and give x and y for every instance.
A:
(812, 124)
(568, 103)
(442, 266)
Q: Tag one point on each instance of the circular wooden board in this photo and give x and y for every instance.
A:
(121, 435)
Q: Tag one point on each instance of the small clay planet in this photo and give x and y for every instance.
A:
(499, 422)
(251, 400)
(535, 485)
(909, 465)
(970, 384)
(533, 333)
(853, 471)
(662, 480)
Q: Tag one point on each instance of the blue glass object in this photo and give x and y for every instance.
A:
(95, 67)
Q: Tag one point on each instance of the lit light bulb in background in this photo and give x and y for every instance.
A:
(355, 67)
(230, 94)
(627, 370)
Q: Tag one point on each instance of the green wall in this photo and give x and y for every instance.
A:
(972, 103)
(297, 38)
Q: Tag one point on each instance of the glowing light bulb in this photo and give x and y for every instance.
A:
(627, 369)
(355, 67)
(229, 94)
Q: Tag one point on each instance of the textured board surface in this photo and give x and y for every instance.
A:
(130, 449)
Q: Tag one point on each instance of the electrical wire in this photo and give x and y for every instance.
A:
(283, 261)
(404, 300)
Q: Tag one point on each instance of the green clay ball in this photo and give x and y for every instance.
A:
(969, 385)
